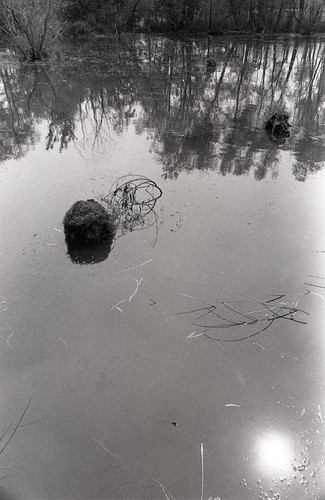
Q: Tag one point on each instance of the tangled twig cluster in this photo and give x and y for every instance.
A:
(132, 200)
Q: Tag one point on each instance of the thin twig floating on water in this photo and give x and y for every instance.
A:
(225, 315)
(135, 267)
(115, 455)
(259, 345)
(116, 306)
(311, 284)
(169, 322)
(202, 472)
(317, 295)
(63, 342)
(31, 423)
(5, 429)
(8, 339)
(137, 288)
(167, 493)
(194, 335)
(14, 429)
(237, 339)
(190, 296)
(277, 297)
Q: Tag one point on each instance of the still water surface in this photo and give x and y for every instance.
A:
(189, 363)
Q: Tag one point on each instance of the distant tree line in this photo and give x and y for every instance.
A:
(84, 17)
(215, 16)
(31, 27)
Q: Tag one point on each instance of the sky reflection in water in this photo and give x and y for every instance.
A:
(193, 118)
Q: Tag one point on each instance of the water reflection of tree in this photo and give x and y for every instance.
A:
(29, 95)
(17, 129)
(199, 119)
(216, 121)
(49, 98)
(196, 118)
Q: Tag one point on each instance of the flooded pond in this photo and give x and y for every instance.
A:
(186, 359)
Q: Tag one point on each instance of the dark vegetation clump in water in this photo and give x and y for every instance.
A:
(90, 228)
(89, 232)
(88, 222)
(277, 127)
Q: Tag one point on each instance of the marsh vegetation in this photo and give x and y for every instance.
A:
(214, 16)
(33, 27)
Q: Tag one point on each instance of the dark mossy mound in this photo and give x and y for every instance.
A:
(87, 223)
(278, 126)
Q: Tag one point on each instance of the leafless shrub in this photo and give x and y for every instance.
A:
(32, 27)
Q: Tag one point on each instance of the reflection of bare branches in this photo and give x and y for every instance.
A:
(62, 131)
(240, 80)
(239, 316)
(195, 119)
(32, 94)
(222, 74)
(17, 130)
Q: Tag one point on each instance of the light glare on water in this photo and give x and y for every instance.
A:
(274, 453)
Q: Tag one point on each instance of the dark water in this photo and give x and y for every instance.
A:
(188, 362)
